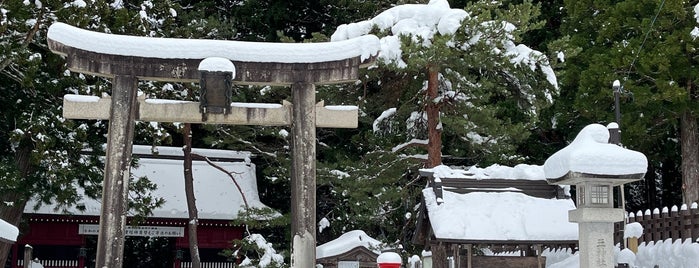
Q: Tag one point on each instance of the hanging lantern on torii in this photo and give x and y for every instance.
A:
(215, 86)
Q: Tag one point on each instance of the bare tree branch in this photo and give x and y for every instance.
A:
(201, 157)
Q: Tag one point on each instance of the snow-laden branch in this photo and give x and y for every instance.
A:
(411, 143)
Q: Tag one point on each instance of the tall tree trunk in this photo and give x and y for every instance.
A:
(191, 200)
(11, 211)
(434, 132)
(13, 202)
(689, 141)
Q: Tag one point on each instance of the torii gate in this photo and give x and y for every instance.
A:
(128, 59)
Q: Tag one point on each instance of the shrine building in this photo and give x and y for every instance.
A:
(66, 238)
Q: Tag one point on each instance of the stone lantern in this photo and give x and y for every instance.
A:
(594, 166)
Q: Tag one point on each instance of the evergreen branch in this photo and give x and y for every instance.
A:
(411, 143)
(27, 39)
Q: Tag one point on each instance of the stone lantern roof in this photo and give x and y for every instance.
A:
(591, 158)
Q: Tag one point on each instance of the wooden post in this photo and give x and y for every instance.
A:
(469, 256)
(632, 244)
(694, 222)
(27, 256)
(439, 255)
(117, 171)
(541, 260)
(82, 254)
(303, 175)
(456, 256)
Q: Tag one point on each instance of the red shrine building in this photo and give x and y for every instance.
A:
(67, 238)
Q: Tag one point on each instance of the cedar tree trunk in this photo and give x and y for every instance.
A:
(689, 142)
(13, 203)
(191, 200)
(434, 133)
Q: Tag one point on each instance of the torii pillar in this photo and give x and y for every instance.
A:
(301, 66)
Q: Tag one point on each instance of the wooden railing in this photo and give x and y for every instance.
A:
(210, 265)
(659, 225)
(536, 188)
(53, 263)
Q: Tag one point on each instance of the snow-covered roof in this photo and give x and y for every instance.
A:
(499, 216)
(590, 153)
(216, 195)
(495, 171)
(169, 48)
(8, 232)
(347, 242)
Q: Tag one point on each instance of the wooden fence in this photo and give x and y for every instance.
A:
(53, 263)
(210, 265)
(659, 225)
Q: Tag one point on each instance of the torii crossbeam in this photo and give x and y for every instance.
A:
(128, 59)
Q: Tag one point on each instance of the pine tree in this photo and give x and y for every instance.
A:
(484, 100)
(650, 50)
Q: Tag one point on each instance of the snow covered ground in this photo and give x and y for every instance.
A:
(677, 254)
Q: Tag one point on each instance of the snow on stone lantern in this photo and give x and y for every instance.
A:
(216, 75)
(594, 166)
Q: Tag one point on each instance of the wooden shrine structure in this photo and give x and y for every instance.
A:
(462, 248)
(127, 59)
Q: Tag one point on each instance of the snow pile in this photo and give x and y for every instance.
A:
(677, 254)
(555, 256)
(695, 31)
(389, 257)
(169, 48)
(443, 171)
(626, 256)
(322, 224)
(384, 115)
(591, 153)
(215, 64)
(269, 254)
(633, 229)
(518, 172)
(499, 216)
(347, 242)
(666, 253)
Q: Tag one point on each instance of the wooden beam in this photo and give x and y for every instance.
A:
(185, 70)
(259, 114)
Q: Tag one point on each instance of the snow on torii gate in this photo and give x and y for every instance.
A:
(128, 59)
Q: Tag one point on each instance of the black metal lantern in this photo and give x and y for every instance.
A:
(216, 75)
(215, 97)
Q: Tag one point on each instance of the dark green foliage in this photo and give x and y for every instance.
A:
(655, 76)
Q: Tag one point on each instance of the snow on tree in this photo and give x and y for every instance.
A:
(481, 86)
